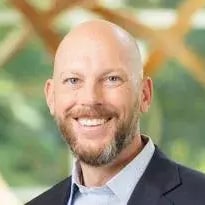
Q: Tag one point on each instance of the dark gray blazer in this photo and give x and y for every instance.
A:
(163, 183)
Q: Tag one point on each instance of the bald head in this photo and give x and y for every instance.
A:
(95, 39)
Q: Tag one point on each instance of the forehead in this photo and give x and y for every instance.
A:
(93, 56)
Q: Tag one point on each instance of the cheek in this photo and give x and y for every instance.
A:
(122, 99)
(62, 102)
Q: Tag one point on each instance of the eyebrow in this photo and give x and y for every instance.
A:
(113, 70)
(106, 72)
(70, 72)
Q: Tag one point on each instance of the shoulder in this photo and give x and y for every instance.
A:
(57, 194)
(191, 187)
(192, 178)
(187, 175)
(180, 184)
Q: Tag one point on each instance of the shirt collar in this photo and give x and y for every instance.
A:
(129, 175)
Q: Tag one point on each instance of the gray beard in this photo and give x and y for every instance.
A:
(123, 136)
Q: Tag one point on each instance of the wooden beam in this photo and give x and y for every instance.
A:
(124, 20)
(50, 37)
(16, 41)
(192, 63)
(174, 37)
(13, 43)
(185, 13)
(59, 6)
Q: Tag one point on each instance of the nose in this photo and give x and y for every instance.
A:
(91, 94)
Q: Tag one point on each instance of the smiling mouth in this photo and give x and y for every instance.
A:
(92, 122)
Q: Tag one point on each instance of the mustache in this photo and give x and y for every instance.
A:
(94, 111)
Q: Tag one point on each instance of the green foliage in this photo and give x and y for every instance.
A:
(3, 4)
(31, 150)
(194, 40)
(154, 3)
(182, 103)
(178, 111)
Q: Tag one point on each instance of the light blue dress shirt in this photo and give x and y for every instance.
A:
(117, 190)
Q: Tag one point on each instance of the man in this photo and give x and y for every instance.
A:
(96, 96)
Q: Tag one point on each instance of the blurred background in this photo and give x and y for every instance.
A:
(171, 35)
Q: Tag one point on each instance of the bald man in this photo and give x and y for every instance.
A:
(97, 95)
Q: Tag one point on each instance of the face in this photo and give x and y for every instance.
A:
(95, 100)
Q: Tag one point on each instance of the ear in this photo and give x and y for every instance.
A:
(146, 94)
(49, 94)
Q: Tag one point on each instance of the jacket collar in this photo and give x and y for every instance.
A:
(160, 177)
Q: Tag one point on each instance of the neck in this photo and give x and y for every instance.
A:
(104, 173)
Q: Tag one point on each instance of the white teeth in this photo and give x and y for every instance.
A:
(91, 122)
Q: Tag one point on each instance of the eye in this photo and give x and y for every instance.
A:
(73, 80)
(114, 78)
(113, 81)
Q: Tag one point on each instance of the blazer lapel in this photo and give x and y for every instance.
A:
(66, 190)
(59, 195)
(160, 177)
